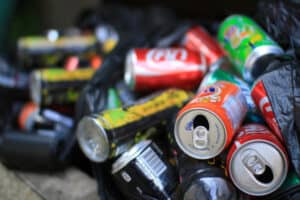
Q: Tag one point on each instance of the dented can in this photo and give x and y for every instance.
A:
(111, 132)
(152, 69)
(199, 40)
(143, 172)
(56, 86)
(262, 102)
(248, 45)
(257, 162)
(206, 125)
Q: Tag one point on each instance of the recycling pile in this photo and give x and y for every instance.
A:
(159, 108)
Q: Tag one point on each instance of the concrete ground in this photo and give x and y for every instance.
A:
(70, 184)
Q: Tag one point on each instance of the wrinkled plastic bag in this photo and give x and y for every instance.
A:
(282, 84)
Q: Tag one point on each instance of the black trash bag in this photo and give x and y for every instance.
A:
(282, 84)
(281, 19)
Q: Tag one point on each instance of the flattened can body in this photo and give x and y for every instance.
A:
(257, 162)
(206, 125)
(247, 44)
(153, 69)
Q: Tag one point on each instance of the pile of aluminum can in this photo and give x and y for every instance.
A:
(191, 121)
(224, 138)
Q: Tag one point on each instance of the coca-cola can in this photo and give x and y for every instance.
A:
(153, 69)
(257, 162)
(261, 99)
(199, 40)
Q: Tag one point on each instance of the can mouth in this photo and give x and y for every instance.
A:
(36, 87)
(200, 133)
(93, 139)
(129, 77)
(247, 174)
(129, 156)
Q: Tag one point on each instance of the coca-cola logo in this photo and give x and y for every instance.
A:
(158, 55)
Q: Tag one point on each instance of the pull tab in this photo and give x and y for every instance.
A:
(255, 163)
(200, 137)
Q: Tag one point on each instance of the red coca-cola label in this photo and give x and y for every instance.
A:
(262, 102)
(252, 132)
(197, 39)
(162, 68)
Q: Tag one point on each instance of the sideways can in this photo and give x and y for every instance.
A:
(58, 86)
(206, 125)
(257, 162)
(152, 69)
(262, 102)
(199, 40)
(199, 181)
(248, 46)
(143, 172)
(106, 135)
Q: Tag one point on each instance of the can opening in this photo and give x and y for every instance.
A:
(200, 120)
(266, 177)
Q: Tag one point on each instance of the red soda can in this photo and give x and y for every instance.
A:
(153, 69)
(257, 162)
(206, 125)
(199, 40)
(260, 98)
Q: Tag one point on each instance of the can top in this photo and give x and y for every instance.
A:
(36, 87)
(129, 77)
(258, 167)
(128, 156)
(200, 133)
(93, 139)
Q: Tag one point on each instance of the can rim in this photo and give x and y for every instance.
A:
(128, 156)
(276, 185)
(129, 77)
(101, 133)
(36, 86)
(188, 152)
(258, 52)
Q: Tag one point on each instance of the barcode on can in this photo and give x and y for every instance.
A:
(236, 108)
(151, 163)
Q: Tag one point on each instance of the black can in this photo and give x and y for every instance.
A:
(143, 172)
(201, 181)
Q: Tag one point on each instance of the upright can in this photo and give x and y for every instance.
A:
(58, 86)
(144, 172)
(206, 125)
(262, 102)
(199, 40)
(111, 132)
(153, 69)
(248, 46)
(257, 162)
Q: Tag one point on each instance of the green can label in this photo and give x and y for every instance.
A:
(240, 35)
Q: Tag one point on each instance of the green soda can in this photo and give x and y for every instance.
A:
(113, 99)
(247, 45)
